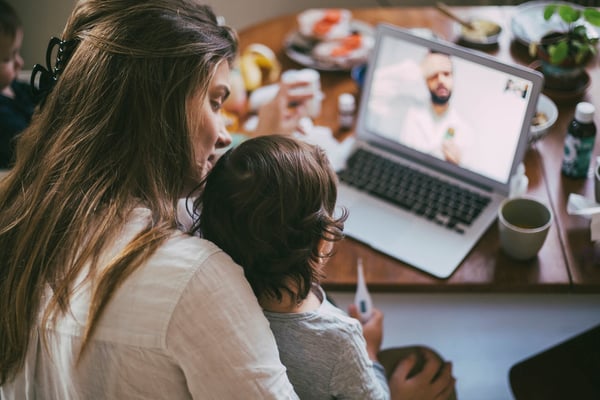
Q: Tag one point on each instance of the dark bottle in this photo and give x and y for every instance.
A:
(579, 143)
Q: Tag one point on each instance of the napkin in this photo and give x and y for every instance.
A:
(582, 206)
(322, 136)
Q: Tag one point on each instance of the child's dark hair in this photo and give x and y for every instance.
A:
(10, 22)
(268, 203)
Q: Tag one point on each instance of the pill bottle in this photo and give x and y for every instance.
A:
(346, 111)
(579, 142)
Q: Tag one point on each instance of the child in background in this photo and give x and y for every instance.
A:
(269, 203)
(16, 99)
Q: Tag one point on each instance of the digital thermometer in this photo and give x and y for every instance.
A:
(362, 298)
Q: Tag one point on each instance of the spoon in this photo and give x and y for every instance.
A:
(446, 10)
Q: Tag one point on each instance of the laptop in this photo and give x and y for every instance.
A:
(462, 143)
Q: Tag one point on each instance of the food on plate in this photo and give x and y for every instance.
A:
(344, 52)
(329, 39)
(539, 118)
(327, 22)
(347, 45)
(324, 23)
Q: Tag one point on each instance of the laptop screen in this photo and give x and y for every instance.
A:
(458, 109)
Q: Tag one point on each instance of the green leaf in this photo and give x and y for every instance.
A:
(580, 31)
(549, 11)
(558, 52)
(592, 16)
(568, 13)
(580, 56)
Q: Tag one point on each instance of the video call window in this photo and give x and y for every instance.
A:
(478, 126)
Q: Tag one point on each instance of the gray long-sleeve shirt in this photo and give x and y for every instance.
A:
(325, 354)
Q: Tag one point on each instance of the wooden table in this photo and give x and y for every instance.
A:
(568, 260)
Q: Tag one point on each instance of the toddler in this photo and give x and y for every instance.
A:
(269, 203)
(16, 99)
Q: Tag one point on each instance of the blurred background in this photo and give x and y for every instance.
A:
(44, 19)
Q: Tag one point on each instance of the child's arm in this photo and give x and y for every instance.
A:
(372, 330)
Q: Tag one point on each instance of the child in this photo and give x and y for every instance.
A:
(269, 203)
(16, 99)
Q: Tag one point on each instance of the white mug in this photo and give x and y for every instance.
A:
(523, 224)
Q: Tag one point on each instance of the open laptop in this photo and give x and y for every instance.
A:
(489, 114)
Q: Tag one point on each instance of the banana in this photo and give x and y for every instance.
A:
(265, 56)
(251, 72)
(259, 65)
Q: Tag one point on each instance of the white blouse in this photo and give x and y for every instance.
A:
(185, 325)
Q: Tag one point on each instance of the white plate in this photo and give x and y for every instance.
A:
(528, 24)
(299, 49)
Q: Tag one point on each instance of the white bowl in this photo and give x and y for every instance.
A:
(486, 32)
(547, 113)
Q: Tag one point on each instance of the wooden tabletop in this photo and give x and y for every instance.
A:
(568, 261)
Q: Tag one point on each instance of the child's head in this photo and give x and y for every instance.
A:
(11, 38)
(269, 203)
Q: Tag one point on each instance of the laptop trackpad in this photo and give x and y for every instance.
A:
(377, 223)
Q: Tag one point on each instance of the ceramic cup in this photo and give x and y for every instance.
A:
(313, 78)
(523, 223)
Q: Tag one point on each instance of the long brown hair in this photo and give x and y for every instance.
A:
(112, 134)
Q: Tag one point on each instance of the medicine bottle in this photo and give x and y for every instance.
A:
(346, 110)
(579, 142)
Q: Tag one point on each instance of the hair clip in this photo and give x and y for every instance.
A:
(48, 76)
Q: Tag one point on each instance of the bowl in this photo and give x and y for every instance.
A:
(545, 116)
(485, 32)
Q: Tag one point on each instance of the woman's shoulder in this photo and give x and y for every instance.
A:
(182, 272)
(184, 257)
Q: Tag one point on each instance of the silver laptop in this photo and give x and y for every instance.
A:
(440, 131)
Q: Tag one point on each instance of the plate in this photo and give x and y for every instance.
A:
(528, 24)
(299, 48)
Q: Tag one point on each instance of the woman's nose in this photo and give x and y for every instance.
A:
(224, 139)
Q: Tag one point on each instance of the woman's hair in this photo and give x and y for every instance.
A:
(10, 22)
(268, 203)
(111, 135)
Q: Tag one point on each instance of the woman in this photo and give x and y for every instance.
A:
(101, 295)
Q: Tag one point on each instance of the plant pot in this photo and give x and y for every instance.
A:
(563, 85)
(562, 78)
(565, 80)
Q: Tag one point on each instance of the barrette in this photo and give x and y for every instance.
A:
(44, 79)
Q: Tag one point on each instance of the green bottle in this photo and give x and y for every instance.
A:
(579, 143)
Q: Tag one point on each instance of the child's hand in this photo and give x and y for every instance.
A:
(372, 330)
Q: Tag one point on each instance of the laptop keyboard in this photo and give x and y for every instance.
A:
(426, 196)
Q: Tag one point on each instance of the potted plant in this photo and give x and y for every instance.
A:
(564, 52)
